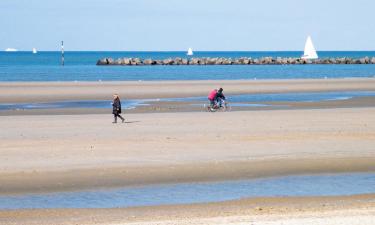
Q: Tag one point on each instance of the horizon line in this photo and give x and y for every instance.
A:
(186, 51)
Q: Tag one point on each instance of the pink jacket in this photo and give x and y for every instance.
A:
(212, 95)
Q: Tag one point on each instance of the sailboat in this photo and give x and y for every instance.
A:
(310, 52)
(11, 50)
(190, 51)
(35, 51)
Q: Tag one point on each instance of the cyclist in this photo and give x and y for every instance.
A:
(212, 98)
(220, 97)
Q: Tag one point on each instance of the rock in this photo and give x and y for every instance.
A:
(118, 62)
(137, 61)
(332, 61)
(227, 61)
(109, 61)
(202, 61)
(126, 61)
(219, 61)
(194, 61)
(177, 61)
(279, 60)
(102, 62)
(212, 61)
(237, 61)
(148, 62)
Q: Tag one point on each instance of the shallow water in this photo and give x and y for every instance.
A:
(306, 185)
(286, 97)
(246, 100)
(99, 104)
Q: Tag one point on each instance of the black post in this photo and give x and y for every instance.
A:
(62, 53)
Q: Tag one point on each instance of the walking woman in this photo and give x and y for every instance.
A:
(117, 108)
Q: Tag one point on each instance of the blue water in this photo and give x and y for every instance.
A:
(80, 66)
(244, 100)
(100, 104)
(185, 193)
(285, 97)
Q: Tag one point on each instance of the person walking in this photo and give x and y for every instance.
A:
(116, 104)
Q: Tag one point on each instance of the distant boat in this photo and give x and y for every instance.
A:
(35, 51)
(11, 50)
(310, 52)
(190, 51)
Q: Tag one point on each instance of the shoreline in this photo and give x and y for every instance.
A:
(198, 106)
(356, 209)
(25, 92)
(87, 179)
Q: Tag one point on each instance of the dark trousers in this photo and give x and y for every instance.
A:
(115, 115)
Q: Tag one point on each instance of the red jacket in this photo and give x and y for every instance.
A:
(212, 95)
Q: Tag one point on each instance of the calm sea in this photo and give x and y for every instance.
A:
(81, 66)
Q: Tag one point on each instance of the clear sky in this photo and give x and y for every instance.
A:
(168, 25)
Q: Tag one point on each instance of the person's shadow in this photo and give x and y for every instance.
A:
(132, 122)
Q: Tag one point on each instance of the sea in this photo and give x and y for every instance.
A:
(81, 66)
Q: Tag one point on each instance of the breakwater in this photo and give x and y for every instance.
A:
(230, 61)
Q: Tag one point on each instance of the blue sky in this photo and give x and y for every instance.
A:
(168, 25)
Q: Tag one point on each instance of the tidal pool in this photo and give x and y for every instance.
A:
(184, 193)
(244, 100)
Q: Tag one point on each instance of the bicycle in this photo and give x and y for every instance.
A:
(223, 107)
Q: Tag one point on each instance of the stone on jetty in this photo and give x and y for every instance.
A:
(148, 62)
(229, 61)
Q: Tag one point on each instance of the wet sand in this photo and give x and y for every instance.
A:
(70, 152)
(348, 210)
(12, 92)
(175, 107)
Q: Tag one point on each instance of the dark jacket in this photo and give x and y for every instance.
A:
(219, 95)
(116, 106)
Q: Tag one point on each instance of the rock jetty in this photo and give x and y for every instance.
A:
(230, 61)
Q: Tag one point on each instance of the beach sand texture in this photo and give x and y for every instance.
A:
(65, 152)
(47, 153)
(348, 210)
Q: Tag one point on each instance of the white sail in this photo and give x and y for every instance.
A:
(310, 52)
(11, 50)
(190, 51)
(35, 51)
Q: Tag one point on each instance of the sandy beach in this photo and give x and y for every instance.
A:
(73, 150)
(11, 92)
(49, 153)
